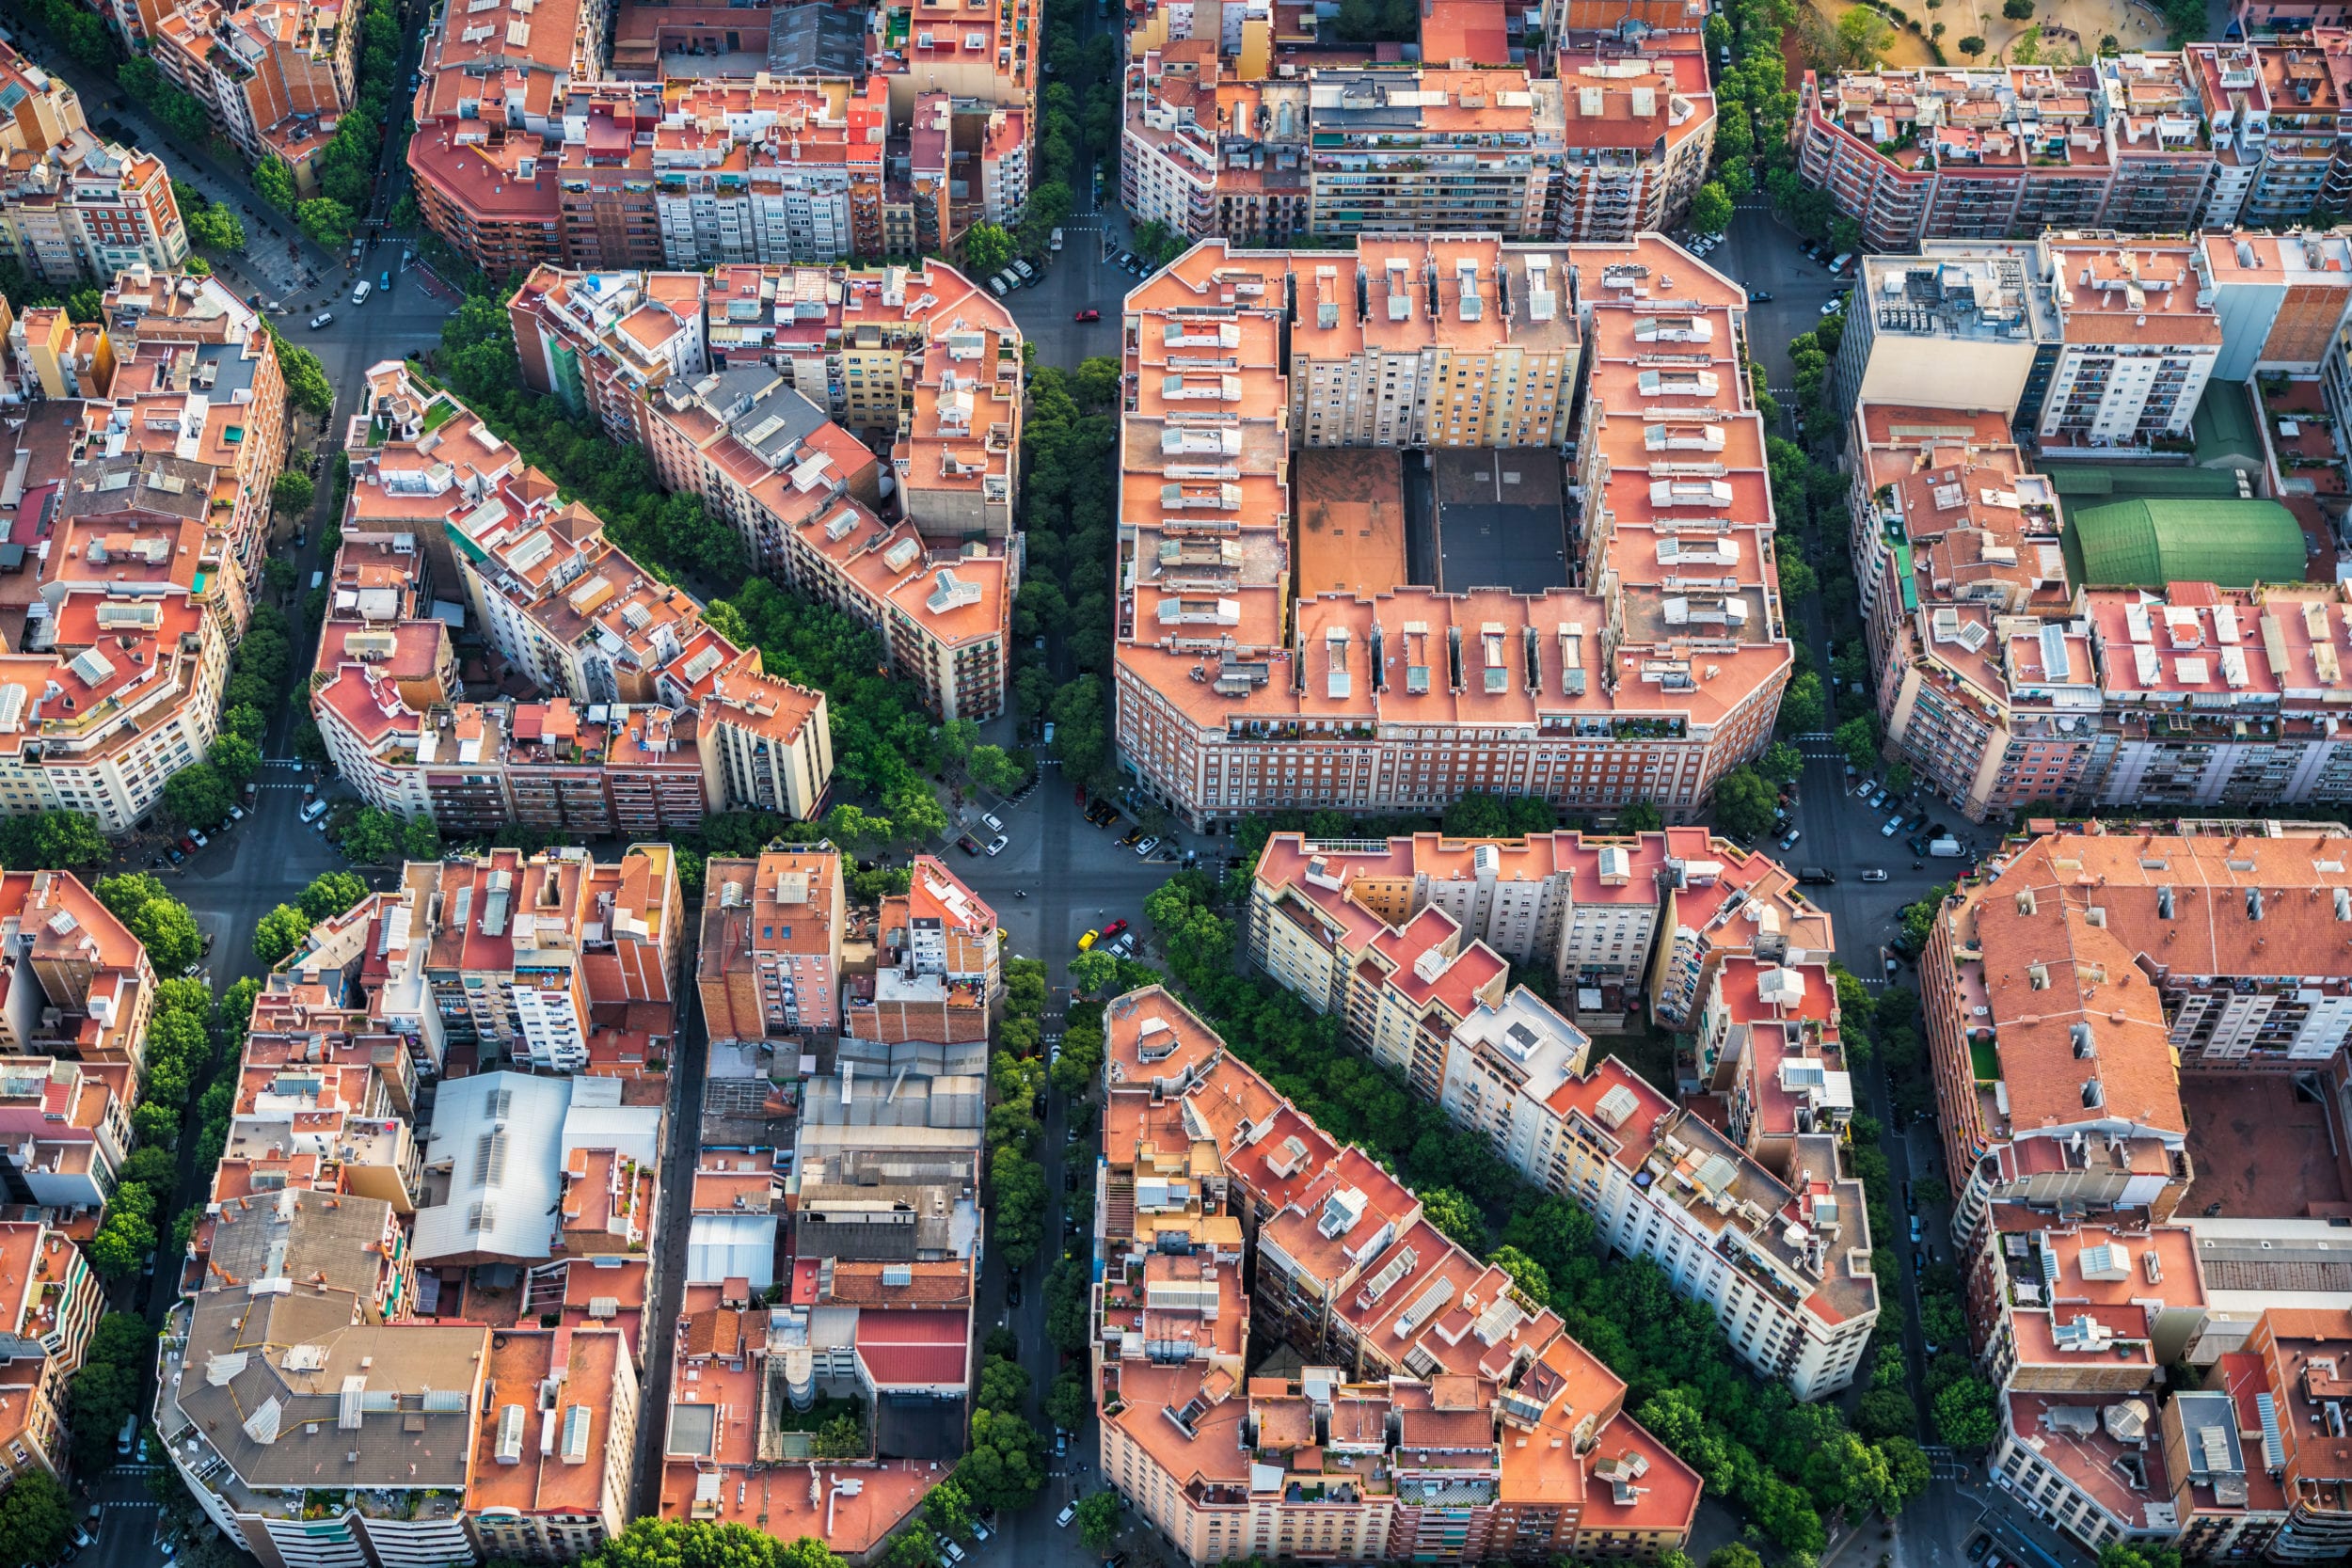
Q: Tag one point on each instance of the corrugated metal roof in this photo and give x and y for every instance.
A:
(2147, 544)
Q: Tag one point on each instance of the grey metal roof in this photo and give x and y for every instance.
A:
(309, 1238)
(815, 41)
(292, 1393)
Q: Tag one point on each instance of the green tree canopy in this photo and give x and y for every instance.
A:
(333, 893)
(1745, 803)
(987, 249)
(292, 494)
(1711, 209)
(279, 933)
(35, 1515)
(1098, 1520)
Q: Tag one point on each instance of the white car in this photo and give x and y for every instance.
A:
(321, 319)
(197, 835)
(994, 825)
(1832, 306)
(1069, 1512)
(1146, 848)
(1893, 827)
(360, 293)
(996, 845)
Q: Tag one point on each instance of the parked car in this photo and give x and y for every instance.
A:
(197, 835)
(1069, 1512)
(969, 845)
(994, 825)
(997, 286)
(1028, 273)
(1088, 316)
(1055, 243)
(321, 319)
(1146, 848)
(236, 814)
(1086, 943)
(175, 856)
(1893, 826)
(1132, 835)
(996, 845)
(1790, 841)
(1125, 259)
(1831, 305)
(1114, 927)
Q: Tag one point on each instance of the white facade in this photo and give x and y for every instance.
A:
(2126, 394)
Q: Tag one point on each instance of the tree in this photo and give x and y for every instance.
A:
(1734, 1556)
(326, 221)
(1965, 1413)
(420, 839)
(162, 924)
(1094, 970)
(1863, 35)
(1907, 1471)
(1744, 801)
(1781, 763)
(292, 495)
(279, 933)
(1477, 815)
(1638, 815)
(1004, 1386)
(215, 228)
(274, 184)
(234, 758)
(994, 769)
(1796, 579)
(1801, 711)
(1527, 1276)
(373, 836)
(307, 387)
(650, 1543)
(85, 307)
(1001, 1469)
(48, 839)
(916, 813)
(915, 1547)
(1455, 1214)
(1972, 46)
(1886, 1412)
(2017, 10)
(36, 1517)
(1858, 739)
(1711, 209)
(1066, 1402)
(2139, 1554)
(987, 249)
(1919, 918)
(1098, 1521)
(330, 894)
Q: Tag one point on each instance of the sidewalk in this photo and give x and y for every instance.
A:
(276, 256)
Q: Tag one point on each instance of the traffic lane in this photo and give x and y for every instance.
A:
(128, 1517)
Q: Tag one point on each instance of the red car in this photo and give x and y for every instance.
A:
(1088, 316)
(1113, 930)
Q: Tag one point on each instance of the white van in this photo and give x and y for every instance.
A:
(360, 293)
(1840, 262)
(315, 810)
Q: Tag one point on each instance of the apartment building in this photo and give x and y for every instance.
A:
(74, 981)
(1232, 696)
(1430, 151)
(50, 1302)
(769, 964)
(2280, 299)
(939, 972)
(74, 207)
(1637, 132)
(1958, 326)
(275, 76)
(1978, 155)
(1762, 1225)
(555, 1454)
(488, 183)
(2138, 342)
(65, 1129)
(1657, 912)
(604, 343)
(2004, 682)
(2165, 168)
(525, 951)
(1417, 1427)
(650, 718)
(2061, 1022)
(2237, 117)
